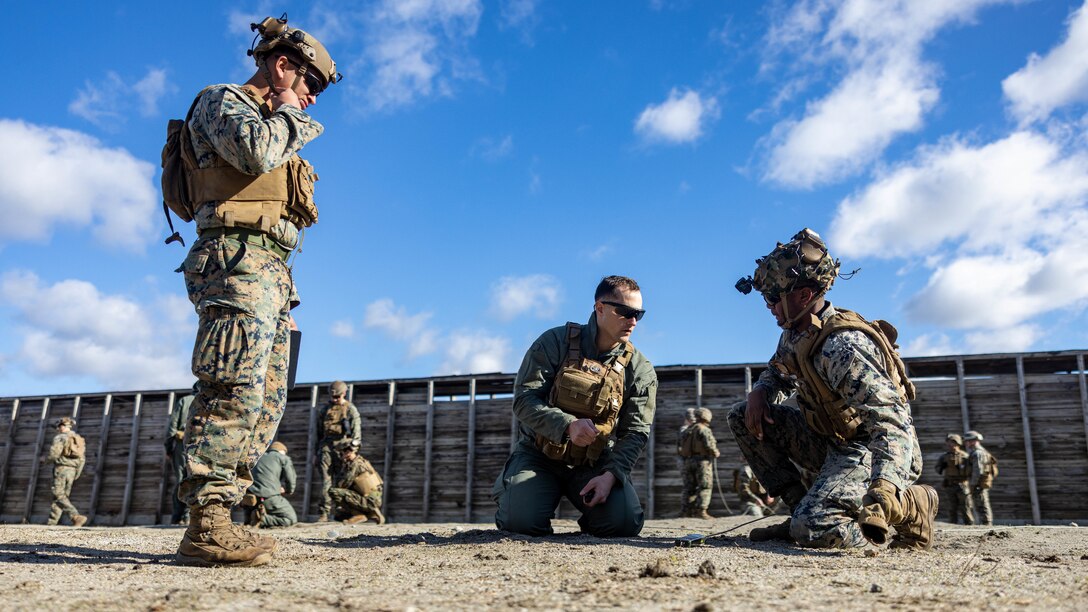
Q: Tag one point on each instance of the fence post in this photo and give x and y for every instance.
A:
(960, 378)
(311, 446)
(36, 463)
(470, 460)
(8, 449)
(133, 448)
(390, 431)
(167, 462)
(427, 451)
(1035, 514)
(100, 459)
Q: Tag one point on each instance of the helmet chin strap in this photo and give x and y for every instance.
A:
(790, 321)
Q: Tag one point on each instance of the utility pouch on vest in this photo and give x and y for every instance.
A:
(75, 446)
(301, 208)
(368, 481)
(587, 389)
(335, 418)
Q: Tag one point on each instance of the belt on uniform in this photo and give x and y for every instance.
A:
(248, 236)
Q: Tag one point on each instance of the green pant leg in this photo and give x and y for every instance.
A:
(63, 478)
(278, 512)
(982, 504)
(527, 492)
(620, 516)
(704, 483)
(325, 466)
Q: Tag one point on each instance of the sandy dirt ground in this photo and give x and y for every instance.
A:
(463, 566)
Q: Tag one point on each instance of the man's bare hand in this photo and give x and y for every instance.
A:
(757, 413)
(582, 432)
(283, 96)
(597, 489)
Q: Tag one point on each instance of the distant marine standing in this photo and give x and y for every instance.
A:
(68, 456)
(337, 421)
(699, 448)
(983, 467)
(175, 451)
(953, 466)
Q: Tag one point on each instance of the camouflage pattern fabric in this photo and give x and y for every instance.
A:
(349, 502)
(852, 365)
(884, 446)
(243, 295)
(953, 465)
(979, 462)
(63, 479)
(530, 486)
(981, 500)
(328, 459)
(175, 449)
(56, 454)
(698, 483)
(751, 494)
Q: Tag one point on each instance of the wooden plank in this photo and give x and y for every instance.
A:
(167, 463)
(133, 448)
(1032, 489)
(100, 459)
(961, 380)
(8, 449)
(470, 460)
(35, 464)
(428, 451)
(698, 387)
(1083, 393)
(311, 445)
(390, 424)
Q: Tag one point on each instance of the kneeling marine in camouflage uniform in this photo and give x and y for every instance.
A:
(68, 456)
(848, 418)
(241, 180)
(699, 449)
(357, 490)
(754, 500)
(957, 473)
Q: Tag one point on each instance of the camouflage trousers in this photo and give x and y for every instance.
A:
(348, 502)
(63, 479)
(985, 513)
(826, 517)
(961, 507)
(243, 295)
(698, 482)
(328, 461)
(749, 508)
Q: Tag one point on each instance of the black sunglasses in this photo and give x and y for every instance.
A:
(625, 311)
(772, 298)
(312, 82)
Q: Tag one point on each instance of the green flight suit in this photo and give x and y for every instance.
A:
(528, 490)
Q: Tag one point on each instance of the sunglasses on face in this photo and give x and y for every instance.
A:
(625, 311)
(772, 298)
(313, 84)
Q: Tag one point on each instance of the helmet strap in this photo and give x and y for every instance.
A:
(789, 322)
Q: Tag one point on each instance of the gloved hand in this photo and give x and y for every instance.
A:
(879, 511)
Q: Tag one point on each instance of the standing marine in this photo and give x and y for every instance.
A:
(337, 421)
(251, 195)
(274, 478)
(357, 495)
(954, 467)
(689, 420)
(68, 454)
(846, 414)
(983, 468)
(699, 449)
(175, 451)
(584, 400)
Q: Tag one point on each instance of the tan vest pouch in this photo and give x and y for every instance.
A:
(367, 482)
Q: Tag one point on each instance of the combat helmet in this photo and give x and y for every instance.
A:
(954, 438)
(802, 262)
(346, 445)
(278, 446)
(61, 422)
(273, 33)
(972, 436)
(338, 389)
(704, 415)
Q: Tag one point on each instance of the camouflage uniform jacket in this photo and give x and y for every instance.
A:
(227, 123)
(851, 364)
(534, 382)
(56, 454)
(273, 471)
(348, 472)
(748, 487)
(980, 460)
(953, 466)
(704, 441)
(179, 418)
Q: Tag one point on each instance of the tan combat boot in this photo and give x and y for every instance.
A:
(79, 520)
(213, 540)
(915, 531)
(701, 513)
(780, 532)
(354, 519)
(378, 516)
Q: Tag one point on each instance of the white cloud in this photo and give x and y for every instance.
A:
(1059, 78)
(518, 13)
(71, 329)
(681, 118)
(929, 345)
(1002, 226)
(342, 329)
(52, 176)
(538, 294)
(108, 101)
(415, 49)
(886, 90)
(475, 353)
(384, 314)
(493, 149)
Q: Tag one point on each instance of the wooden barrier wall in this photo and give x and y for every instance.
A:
(440, 442)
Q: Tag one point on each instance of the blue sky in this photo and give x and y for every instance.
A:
(485, 163)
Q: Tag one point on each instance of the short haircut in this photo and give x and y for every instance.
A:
(610, 286)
